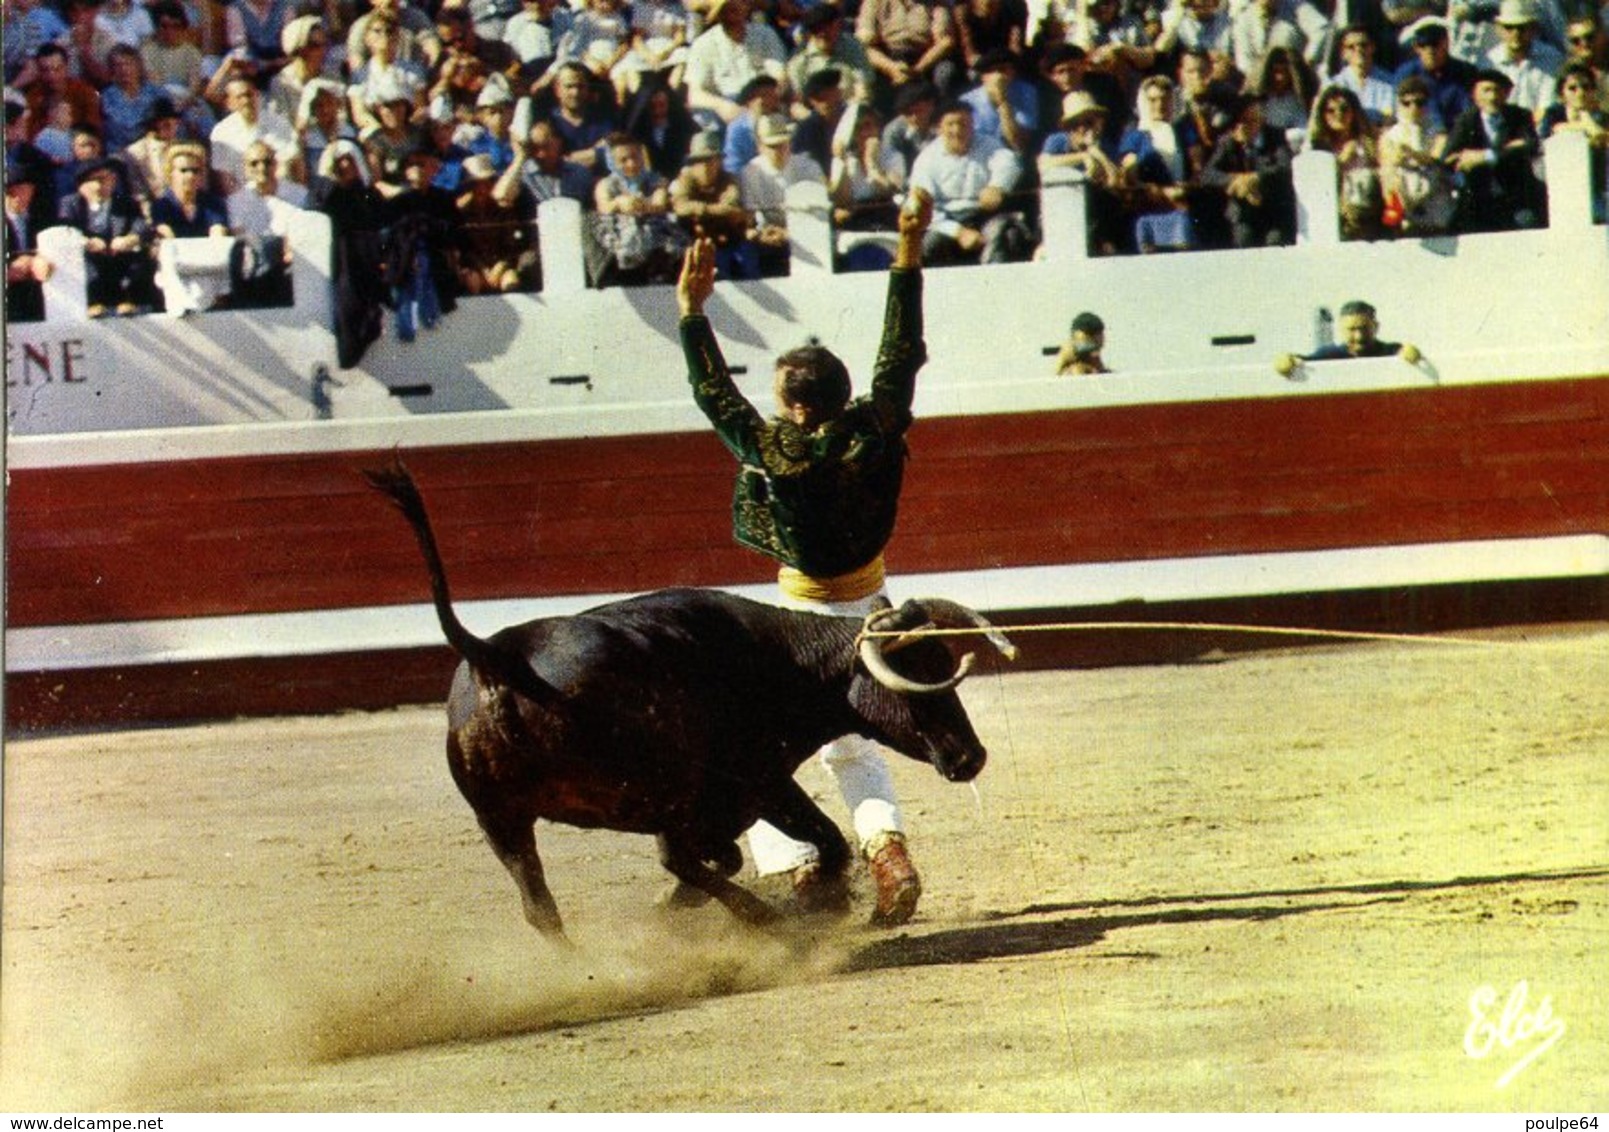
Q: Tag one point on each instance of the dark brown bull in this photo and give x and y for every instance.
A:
(683, 714)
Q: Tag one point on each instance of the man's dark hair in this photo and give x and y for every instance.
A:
(1357, 307)
(813, 377)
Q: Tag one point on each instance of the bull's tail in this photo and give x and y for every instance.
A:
(491, 662)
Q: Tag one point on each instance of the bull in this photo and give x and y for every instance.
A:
(683, 714)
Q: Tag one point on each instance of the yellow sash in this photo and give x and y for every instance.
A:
(845, 587)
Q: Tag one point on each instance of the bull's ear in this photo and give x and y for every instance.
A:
(910, 615)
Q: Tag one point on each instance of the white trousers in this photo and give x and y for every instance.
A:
(854, 763)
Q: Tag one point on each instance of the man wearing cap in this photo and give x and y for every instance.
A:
(1004, 107)
(1080, 145)
(117, 263)
(1081, 354)
(818, 491)
(1448, 77)
(727, 54)
(764, 185)
(969, 179)
(827, 43)
(1494, 146)
(708, 202)
(1530, 64)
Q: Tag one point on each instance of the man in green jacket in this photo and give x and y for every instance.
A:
(818, 491)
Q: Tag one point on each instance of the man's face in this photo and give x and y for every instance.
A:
(571, 89)
(420, 171)
(52, 71)
(99, 188)
(241, 98)
(546, 149)
(1357, 332)
(777, 152)
(955, 129)
(828, 102)
(1192, 75)
(734, 17)
(19, 196)
(1517, 39)
(1067, 75)
(767, 100)
(1358, 51)
(627, 159)
(1581, 40)
(260, 166)
(1490, 97)
(86, 147)
(1432, 55)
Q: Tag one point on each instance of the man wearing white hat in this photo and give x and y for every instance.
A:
(764, 188)
(1530, 63)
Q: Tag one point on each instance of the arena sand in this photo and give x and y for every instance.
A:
(1265, 881)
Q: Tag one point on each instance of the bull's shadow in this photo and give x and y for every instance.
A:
(1013, 934)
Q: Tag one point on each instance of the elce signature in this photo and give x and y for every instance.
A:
(1516, 1025)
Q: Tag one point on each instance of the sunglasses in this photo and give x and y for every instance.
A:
(185, 169)
(1414, 101)
(257, 163)
(1582, 39)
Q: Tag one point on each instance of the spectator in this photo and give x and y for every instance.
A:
(912, 127)
(1339, 127)
(970, 179)
(1493, 147)
(659, 119)
(636, 239)
(828, 43)
(598, 41)
(1529, 63)
(1080, 355)
(394, 137)
(26, 269)
(125, 22)
(321, 119)
(248, 122)
(189, 211)
(1200, 25)
(1252, 166)
(1064, 68)
(863, 183)
(1577, 111)
(1115, 41)
(147, 157)
(128, 99)
(1257, 28)
(173, 62)
(910, 39)
(533, 35)
(30, 25)
(56, 100)
(707, 201)
(86, 149)
(1078, 146)
(260, 215)
(760, 97)
(494, 120)
(659, 30)
(1375, 91)
(342, 191)
(1448, 78)
(415, 35)
(542, 172)
(1588, 45)
(1005, 107)
(984, 28)
(117, 260)
(1359, 327)
(1285, 85)
(581, 124)
(424, 239)
(253, 30)
(498, 250)
(307, 47)
(87, 43)
(812, 136)
(729, 53)
(384, 70)
(1154, 162)
(473, 54)
(765, 183)
(491, 17)
(1418, 185)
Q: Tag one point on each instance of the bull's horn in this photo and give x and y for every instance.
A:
(950, 614)
(871, 655)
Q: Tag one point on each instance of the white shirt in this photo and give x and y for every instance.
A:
(1535, 86)
(256, 215)
(954, 181)
(231, 137)
(716, 65)
(764, 188)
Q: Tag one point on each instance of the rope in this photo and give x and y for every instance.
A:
(1207, 627)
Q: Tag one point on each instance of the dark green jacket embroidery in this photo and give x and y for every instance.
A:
(823, 502)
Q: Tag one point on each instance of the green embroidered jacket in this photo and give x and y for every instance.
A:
(823, 502)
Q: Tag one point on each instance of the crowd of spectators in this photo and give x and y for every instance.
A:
(430, 135)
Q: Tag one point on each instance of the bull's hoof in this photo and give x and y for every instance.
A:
(815, 891)
(897, 883)
(682, 895)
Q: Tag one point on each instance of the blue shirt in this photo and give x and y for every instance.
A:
(1021, 96)
(741, 145)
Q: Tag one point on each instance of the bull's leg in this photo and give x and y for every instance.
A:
(826, 887)
(513, 839)
(684, 862)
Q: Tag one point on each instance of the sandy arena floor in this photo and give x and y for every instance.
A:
(1272, 881)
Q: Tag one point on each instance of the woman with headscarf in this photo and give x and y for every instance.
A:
(1153, 156)
(306, 40)
(343, 191)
